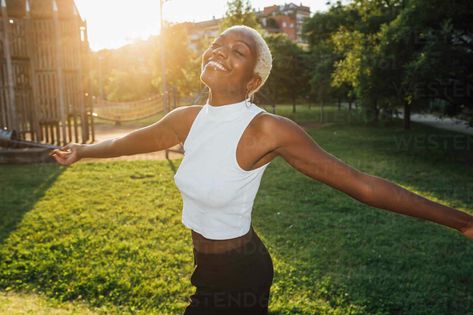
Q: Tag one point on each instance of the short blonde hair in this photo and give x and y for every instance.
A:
(264, 59)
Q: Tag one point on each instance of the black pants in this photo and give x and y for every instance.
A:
(233, 282)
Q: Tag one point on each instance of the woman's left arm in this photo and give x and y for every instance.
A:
(293, 144)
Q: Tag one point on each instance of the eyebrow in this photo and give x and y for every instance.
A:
(246, 44)
(241, 41)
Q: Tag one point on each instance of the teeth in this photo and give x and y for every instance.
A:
(217, 65)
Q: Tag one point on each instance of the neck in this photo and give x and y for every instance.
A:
(216, 99)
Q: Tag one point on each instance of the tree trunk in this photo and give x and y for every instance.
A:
(322, 111)
(293, 103)
(407, 116)
(376, 111)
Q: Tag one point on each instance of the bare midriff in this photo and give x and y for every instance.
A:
(205, 245)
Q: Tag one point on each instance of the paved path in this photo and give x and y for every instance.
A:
(442, 123)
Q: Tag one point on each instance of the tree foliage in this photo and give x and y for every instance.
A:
(395, 53)
(288, 79)
(239, 12)
(133, 72)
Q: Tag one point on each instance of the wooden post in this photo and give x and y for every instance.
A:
(69, 126)
(78, 28)
(90, 132)
(76, 129)
(11, 102)
(29, 36)
(59, 73)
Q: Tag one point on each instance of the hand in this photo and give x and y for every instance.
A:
(468, 232)
(67, 155)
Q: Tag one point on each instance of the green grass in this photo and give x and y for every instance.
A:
(13, 303)
(110, 235)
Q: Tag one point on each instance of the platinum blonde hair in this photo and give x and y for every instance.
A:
(264, 59)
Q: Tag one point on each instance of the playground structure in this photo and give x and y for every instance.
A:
(44, 79)
(134, 110)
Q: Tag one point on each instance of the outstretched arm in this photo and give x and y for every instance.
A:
(292, 143)
(389, 196)
(158, 136)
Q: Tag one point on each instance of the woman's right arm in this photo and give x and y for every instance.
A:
(158, 136)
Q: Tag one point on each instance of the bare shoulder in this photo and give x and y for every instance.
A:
(270, 122)
(181, 119)
(182, 115)
(183, 112)
(280, 130)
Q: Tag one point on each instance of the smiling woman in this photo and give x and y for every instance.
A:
(243, 57)
(228, 143)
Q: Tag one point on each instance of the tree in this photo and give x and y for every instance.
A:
(125, 73)
(324, 56)
(288, 76)
(395, 53)
(441, 64)
(239, 12)
(133, 72)
(361, 65)
(182, 64)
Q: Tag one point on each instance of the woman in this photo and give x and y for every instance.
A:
(228, 144)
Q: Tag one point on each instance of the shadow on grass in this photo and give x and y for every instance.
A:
(22, 186)
(334, 254)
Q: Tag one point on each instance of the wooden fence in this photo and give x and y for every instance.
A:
(44, 82)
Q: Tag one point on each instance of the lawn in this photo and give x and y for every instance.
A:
(109, 235)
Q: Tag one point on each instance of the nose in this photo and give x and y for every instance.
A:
(220, 51)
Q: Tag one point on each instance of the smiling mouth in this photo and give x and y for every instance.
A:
(216, 65)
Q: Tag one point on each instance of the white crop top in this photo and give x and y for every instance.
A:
(217, 193)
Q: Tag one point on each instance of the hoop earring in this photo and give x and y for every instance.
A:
(248, 105)
(246, 101)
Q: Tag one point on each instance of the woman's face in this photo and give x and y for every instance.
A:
(228, 64)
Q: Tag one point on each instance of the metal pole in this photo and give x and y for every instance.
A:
(101, 94)
(163, 59)
(11, 108)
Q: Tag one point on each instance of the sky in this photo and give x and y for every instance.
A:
(114, 23)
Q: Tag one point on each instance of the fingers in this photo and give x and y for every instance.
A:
(67, 147)
(60, 159)
(62, 155)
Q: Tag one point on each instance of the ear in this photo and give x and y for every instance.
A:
(253, 83)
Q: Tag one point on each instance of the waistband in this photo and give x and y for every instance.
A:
(250, 248)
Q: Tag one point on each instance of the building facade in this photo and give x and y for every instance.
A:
(197, 31)
(287, 19)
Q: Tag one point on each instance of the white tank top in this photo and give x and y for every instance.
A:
(217, 193)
